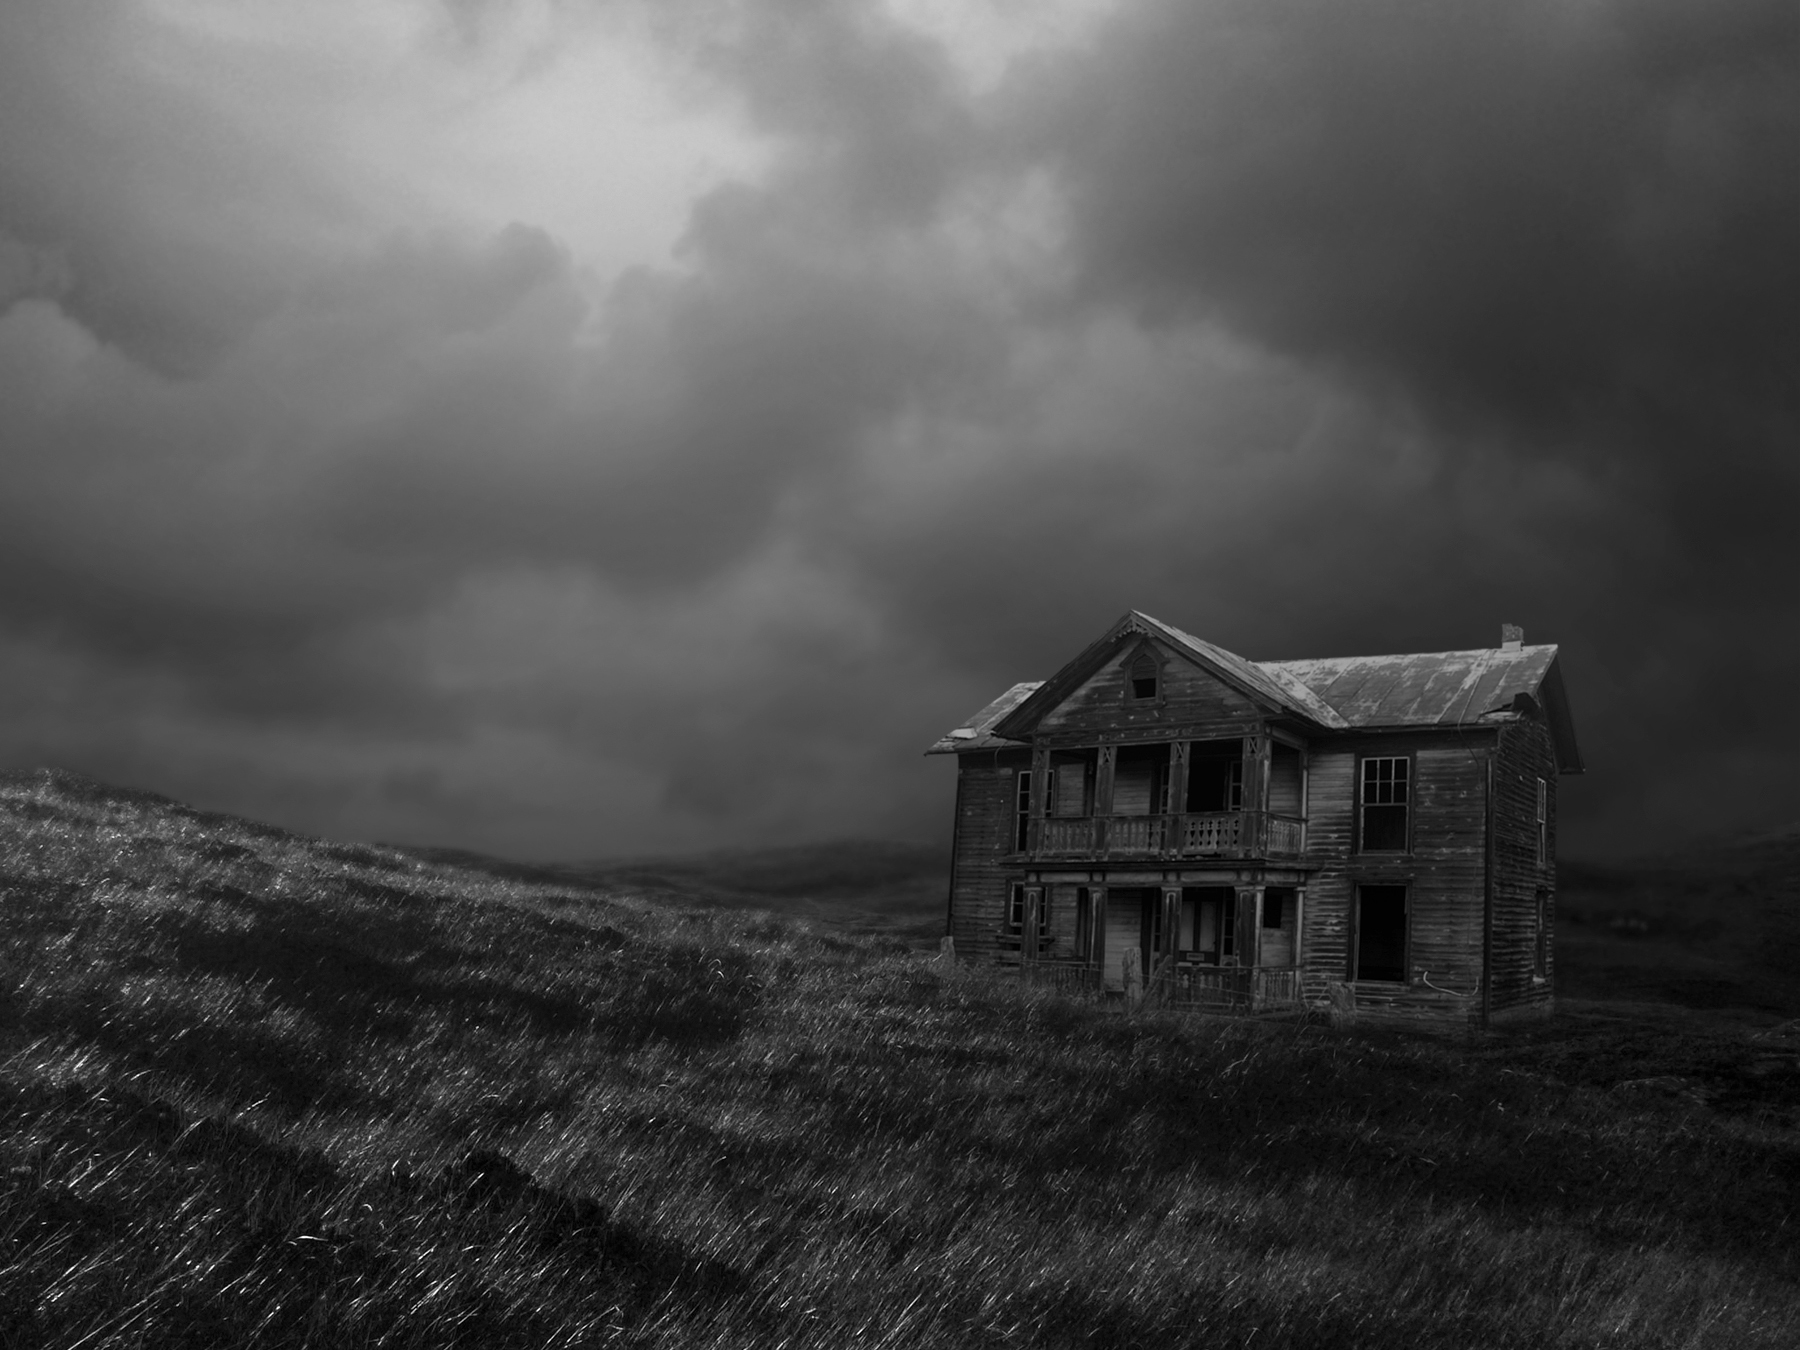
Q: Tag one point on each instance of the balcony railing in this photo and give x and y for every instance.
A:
(1213, 834)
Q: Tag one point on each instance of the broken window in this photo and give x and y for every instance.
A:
(1215, 777)
(1018, 904)
(1143, 676)
(1386, 787)
(1272, 902)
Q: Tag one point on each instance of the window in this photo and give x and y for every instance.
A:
(1215, 777)
(1022, 839)
(1272, 899)
(1084, 923)
(1143, 676)
(1380, 947)
(1018, 903)
(1385, 785)
(1543, 822)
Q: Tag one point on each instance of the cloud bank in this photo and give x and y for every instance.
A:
(567, 429)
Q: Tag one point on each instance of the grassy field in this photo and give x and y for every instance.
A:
(261, 1090)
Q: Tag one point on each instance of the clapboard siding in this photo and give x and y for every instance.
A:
(1443, 870)
(1187, 697)
(987, 784)
(1525, 755)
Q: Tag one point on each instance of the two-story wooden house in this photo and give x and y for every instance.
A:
(1379, 832)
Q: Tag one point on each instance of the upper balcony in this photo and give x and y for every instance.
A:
(1234, 798)
(1205, 834)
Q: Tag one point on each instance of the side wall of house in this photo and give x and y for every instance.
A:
(1525, 755)
(987, 786)
(1443, 869)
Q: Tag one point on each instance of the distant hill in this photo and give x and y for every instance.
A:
(869, 886)
(1712, 927)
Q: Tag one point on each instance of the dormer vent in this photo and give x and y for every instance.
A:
(1512, 637)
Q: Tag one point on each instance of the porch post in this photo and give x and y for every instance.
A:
(1171, 924)
(1177, 803)
(1097, 914)
(1103, 794)
(1299, 925)
(1249, 924)
(1040, 795)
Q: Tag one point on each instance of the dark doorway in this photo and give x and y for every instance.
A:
(1381, 933)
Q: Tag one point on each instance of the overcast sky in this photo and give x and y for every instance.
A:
(565, 429)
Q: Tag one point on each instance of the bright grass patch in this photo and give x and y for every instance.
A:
(259, 1090)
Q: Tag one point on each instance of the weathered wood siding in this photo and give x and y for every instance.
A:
(1187, 697)
(986, 799)
(1443, 870)
(1525, 755)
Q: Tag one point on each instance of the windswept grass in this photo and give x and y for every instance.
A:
(259, 1090)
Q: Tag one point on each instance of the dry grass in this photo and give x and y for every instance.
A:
(258, 1090)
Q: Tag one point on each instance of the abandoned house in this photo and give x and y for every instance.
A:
(1162, 818)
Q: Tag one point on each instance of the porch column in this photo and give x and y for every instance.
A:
(1097, 930)
(1249, 925)
(1171, 921)
(1177, 804)
(1040, 795)
(1299, 925)
(1103, 794)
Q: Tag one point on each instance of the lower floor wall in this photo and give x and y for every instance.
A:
(1376, 943)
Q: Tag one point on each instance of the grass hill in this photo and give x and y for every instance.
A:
(262, 1090)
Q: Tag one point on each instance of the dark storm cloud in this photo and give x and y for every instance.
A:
(1560, 233)
(1310, 328)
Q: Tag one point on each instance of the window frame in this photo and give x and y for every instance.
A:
(1132, 698)
(1543, 822)
(1014, 923)
(1362, 759)
(1022, 811)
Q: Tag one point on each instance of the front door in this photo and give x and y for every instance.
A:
(1128, 910)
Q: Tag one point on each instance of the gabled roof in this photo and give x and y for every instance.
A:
(1441, 689)
(1334, 693)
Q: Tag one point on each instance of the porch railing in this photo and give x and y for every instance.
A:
(1240, 989)
(1219, 834)
(1226, 988)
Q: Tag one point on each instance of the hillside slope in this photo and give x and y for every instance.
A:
(261, 1090)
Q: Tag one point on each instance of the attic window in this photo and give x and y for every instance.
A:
(1143, 676)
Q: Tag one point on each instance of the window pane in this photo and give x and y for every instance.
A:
(1384, 829)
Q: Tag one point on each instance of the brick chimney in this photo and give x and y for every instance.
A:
(1512, 637)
